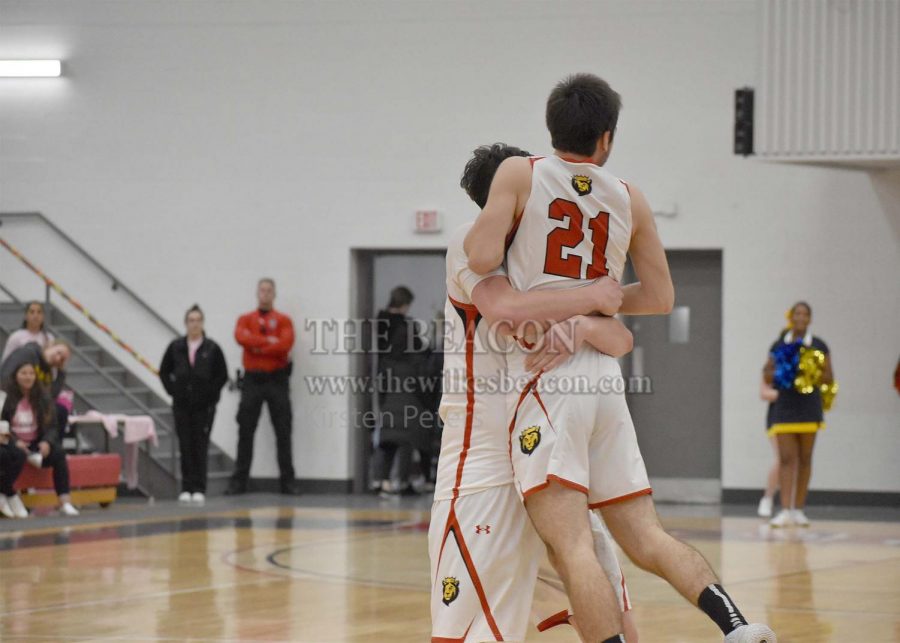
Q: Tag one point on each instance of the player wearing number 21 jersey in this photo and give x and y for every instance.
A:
(561, 222)
(483, 549)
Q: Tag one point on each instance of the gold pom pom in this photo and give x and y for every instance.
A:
(828, 391)
(809, 371)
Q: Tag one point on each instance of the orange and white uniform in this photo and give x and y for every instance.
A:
(575, 228)
(484, 551)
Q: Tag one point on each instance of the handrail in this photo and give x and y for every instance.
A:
(96, 322)
(9, 294)
(119, 386)
(116, 282)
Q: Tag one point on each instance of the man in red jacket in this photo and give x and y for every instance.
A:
(267, 337)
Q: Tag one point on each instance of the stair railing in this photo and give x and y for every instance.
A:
(120, 387)
(116, 283)
(51, 284)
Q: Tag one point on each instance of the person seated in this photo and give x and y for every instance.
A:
(12, 459)
(30, 414)
(49, 365)
(32, 331)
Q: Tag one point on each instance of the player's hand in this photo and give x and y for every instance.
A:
(271, 339)
(608, 295)
(22, 445)
(555, 346)
(44, 448)
(768, 393)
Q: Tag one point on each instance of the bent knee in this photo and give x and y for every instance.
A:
(645, 550)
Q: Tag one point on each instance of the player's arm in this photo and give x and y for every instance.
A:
(507, 309)
(605, 334)
(485, 243)
(653, 293)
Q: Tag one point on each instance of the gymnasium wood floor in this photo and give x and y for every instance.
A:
(352, 570)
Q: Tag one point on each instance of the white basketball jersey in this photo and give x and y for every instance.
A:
(575, 227)
(475, 441)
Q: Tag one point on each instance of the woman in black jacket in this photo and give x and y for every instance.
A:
(193, 372)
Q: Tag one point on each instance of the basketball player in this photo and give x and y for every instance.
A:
(484, 552)
(551, 605)
(567, 222)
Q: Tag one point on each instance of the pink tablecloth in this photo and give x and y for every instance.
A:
(135, 429)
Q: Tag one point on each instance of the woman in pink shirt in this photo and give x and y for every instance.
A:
(32, 330)
(12, 460)
(30, 414)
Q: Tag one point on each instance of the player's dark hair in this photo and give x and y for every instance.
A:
(579, 110)
(266, 280)
(400, 296)
(480, 170)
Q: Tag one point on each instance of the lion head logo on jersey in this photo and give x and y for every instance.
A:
(582, 184)
(451, 590)
(529, 439)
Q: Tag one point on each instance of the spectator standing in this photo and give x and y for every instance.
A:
(29, 411)
(401, 366)
(193, 372)
(267, 337)
(32, 331)
(768, 393)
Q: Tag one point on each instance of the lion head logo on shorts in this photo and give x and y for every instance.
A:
(529, 439)
(451, 590)
(582, 184)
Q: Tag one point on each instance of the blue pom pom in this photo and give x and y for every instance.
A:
(787, 360)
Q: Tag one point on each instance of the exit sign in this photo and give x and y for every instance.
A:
(428, 221)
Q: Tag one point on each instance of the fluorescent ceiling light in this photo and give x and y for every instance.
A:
(29, 68)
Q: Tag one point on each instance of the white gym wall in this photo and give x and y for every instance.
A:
(196, 146)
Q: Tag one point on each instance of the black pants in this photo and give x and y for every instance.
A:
(62, 420)
(12, 459)
(193, 427)
(56, 460)
(384, 457)
(271, 388)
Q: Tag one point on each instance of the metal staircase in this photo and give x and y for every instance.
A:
(103, 383)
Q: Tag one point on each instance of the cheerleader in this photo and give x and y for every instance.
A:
(799, 368)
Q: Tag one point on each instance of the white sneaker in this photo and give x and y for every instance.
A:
(785, 518)
(753, 633)
(5, 509)
(765, 507)
(17, 506)
(67, 509)
(418, 484)
(35, 460)
(800, 518)
(198, 498)
(185, 498)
